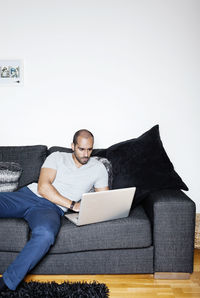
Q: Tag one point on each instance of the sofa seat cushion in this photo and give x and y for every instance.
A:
(14, 234)
(131, 232)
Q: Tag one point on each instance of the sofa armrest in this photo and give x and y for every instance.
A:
(172, 214)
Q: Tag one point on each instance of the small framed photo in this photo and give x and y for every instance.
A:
(11, 72)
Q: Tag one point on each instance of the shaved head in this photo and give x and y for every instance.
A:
(82, 146)
(84, 133)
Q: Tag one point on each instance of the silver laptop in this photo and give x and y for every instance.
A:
(103, 205)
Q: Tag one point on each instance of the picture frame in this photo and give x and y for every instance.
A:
(11, 72)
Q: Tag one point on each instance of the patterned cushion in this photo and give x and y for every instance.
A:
(10, 173)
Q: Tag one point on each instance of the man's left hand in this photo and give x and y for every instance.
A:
(76, 207)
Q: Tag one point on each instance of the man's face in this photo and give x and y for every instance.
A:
(82, 150)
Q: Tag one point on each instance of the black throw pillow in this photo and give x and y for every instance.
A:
(143, 162)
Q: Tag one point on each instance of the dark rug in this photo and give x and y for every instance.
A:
(54, 290)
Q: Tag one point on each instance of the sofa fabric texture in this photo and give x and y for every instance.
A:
(111, 261)
(172, 213)
(14, 234)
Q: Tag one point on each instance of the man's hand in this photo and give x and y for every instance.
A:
(76, 207)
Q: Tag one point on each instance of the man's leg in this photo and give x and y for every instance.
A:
(44, 223)
(15, 204)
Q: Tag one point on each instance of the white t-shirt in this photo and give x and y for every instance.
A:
(71, 181)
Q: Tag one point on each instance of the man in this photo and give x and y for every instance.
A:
(64, 177)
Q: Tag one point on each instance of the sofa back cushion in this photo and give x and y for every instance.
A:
(60, 149)
(30, 159)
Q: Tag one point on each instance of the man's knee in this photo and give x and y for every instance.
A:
(44, 234)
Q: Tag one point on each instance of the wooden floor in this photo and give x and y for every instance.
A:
(138, 286)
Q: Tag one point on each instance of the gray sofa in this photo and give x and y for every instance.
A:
(158, 235)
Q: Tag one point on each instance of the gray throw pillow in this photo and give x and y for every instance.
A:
(10, 173)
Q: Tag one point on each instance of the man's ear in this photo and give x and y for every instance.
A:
(72, 145)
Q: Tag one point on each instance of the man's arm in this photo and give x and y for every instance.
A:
(49, 192)
(102, 178)
(102, 189)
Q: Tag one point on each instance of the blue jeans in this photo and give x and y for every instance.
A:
(43, 218)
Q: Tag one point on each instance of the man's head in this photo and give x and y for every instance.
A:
(82, 146)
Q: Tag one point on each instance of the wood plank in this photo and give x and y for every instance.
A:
(171, 275)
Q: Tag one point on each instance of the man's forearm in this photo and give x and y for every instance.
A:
(49, 192)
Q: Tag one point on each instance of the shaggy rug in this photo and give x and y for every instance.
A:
(54, 290)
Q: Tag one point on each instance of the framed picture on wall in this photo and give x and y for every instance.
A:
(11, 72)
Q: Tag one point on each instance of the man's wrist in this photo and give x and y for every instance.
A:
(72, 205)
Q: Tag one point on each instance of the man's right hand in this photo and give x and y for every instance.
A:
(76, 207)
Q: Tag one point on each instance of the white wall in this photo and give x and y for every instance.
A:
(116, 67)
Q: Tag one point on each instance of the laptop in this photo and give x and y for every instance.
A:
(103, 206)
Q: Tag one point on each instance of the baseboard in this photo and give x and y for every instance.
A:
(197, 231)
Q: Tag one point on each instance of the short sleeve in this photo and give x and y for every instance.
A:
(102, 177)
(51, 161)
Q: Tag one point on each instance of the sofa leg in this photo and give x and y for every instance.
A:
(171, 275)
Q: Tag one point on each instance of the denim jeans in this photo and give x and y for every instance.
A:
(43, 218)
